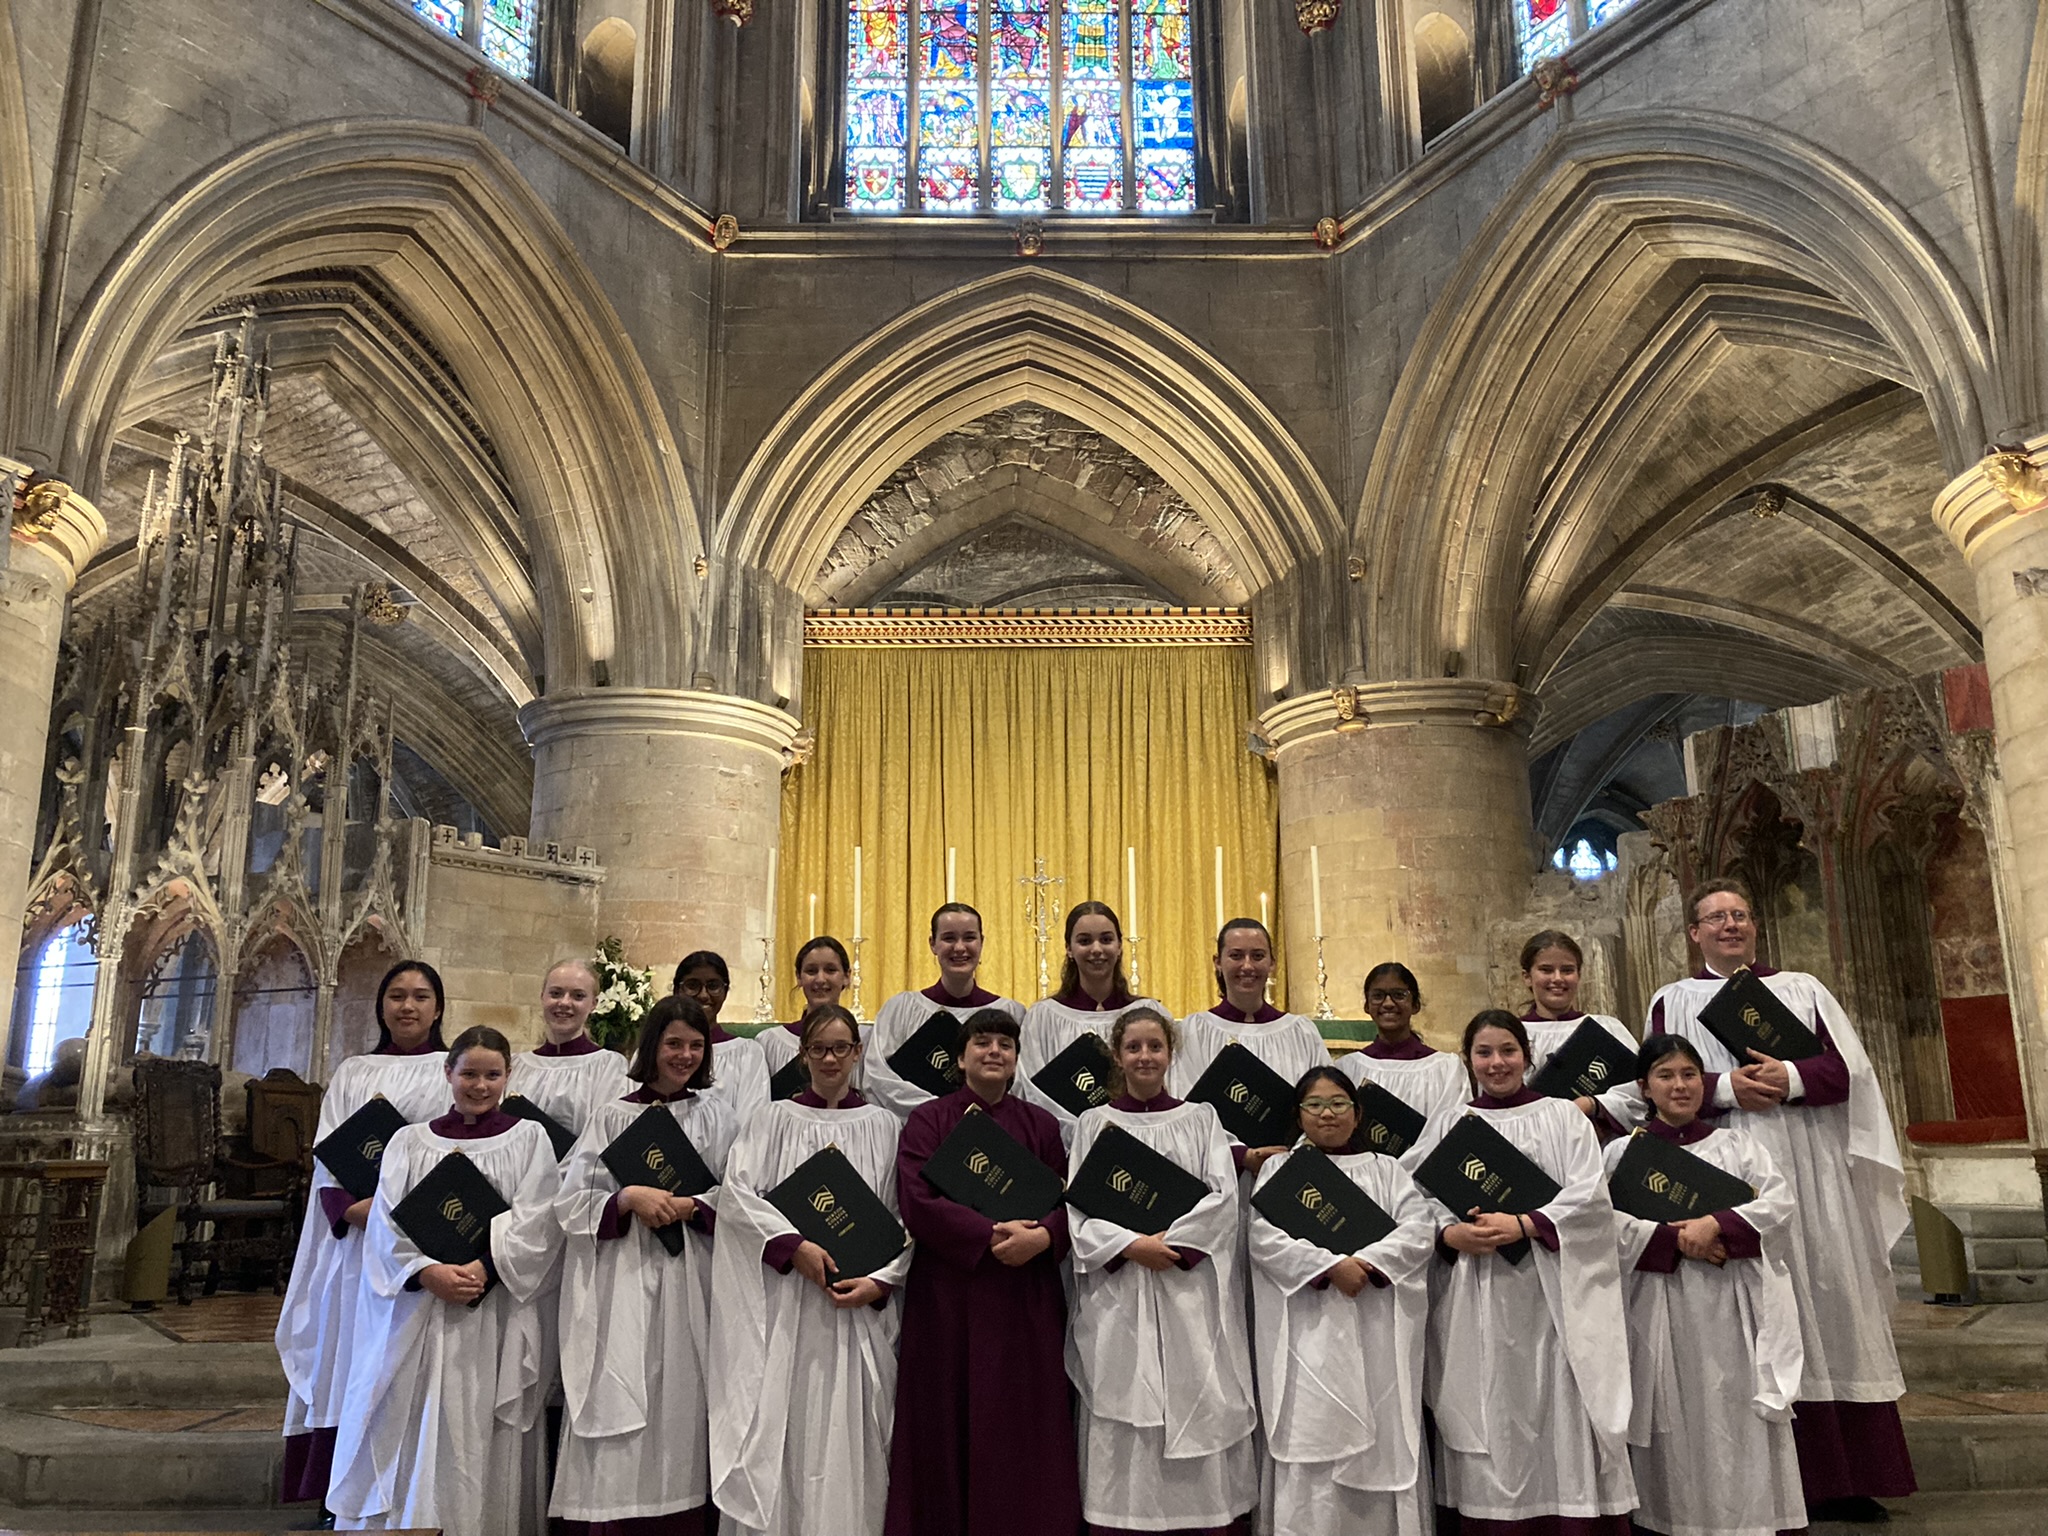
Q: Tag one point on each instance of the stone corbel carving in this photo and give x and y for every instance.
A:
(1314, 16)
(37, 506)
(799, 750)
(1503, 707)
(2020, 480)
(1350, 717)
(738, 12)
(1555, 79)
(725, 229)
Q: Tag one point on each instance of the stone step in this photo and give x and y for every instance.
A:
(214, 1522)
(1974, 1442)
(1944, 1349)
(1953, 1514)
(50, 1462)
(187, 1376)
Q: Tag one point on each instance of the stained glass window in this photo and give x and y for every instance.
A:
(445, 14)
(1020, 106)
(505, 30)
(1545, 28)
(1584, 861)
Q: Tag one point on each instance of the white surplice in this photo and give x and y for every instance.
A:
(1714, 1362)
(779, 1047)
(803, 1393)
(1549, 1035)
(1050, 1026)
(901, 1017)
(1528, 1364)
(636, 1334)
(1848, 1188)
(569, 1088)
(739, 1075)
(1290, 1045)
(1430, 1085)
(442, 1425)
(1160, 1360)
(316, 1328)
(1340, 1378)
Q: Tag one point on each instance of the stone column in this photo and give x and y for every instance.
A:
(680, 793)
(53, 533)
(1415, 796)
(1997, 513)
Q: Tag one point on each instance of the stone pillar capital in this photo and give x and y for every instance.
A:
(2005, 493)
(1461, 701)
(586, 712)
(51, 525)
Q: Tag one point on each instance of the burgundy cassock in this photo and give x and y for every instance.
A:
(984, 1441)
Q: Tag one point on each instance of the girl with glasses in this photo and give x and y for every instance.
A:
(1527, 1375)
(1427, 1080)
(956, 944)
(742, 1069)
(803, 1360)
(635, 1319)
(1339, 1343)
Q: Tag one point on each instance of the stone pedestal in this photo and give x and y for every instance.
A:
(680, 794)
(53, 533)
(1997, 514)
(1415, 798)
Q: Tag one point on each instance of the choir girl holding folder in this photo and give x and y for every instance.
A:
(1398, 1059)
(1092, 993)
(803, 1357)
(704, 978)
(823, 973)
(569, 1075)
(316, 1329)
(1528, 1373)
(636, 1294)
(1339, 1337)
(956, 944)
(442, 1425)
(1713, 1325)
(984, 1313)
(1553, 966)
(1157, 1345)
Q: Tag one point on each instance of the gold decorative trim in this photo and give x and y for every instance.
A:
(1027, 626)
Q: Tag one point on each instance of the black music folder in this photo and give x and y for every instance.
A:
(656, 1152)
(1589, 1063)
(1125, 1182)
(1746, 1015)
(983, 1167)
(1659, 1180)
(1311, 1198)
(926, 1058)
(830, 1204)
(1386, 1122)
(1255, 1103)
(354, 1150)
(1077, 1079)
(520, 1107)
(448, 1213)
(1474, 1166)
(791, 1079)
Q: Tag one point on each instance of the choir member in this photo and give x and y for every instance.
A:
(442, 1425)
(1286, 1042)
(803, 1363)
(1553, 965)
(1157, 1345)
(635, 1456)
(742, 1070)
(1339, 1345)
(984, 1329)
(1092, 993)
(1824, 1123)
(1528, 1372)
(823, 973)
(956, 944)
(316, 1328)
(570, 1075)
(1427, 1080)
(1713, 1330)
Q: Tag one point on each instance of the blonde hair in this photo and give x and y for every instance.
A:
(1123, 1022)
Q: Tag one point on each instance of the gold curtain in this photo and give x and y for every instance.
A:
(1003, 755)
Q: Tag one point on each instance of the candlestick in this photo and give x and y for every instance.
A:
(952, 874)
(1323, 1009)
(1315, 881)
(1041, 914)
(1131, 914)
(1222, 917)
(853, 982)
(764, 1002)
(1268, 927)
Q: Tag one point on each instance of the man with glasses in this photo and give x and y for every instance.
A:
(1823, 1122)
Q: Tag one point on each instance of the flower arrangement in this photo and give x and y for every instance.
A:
(624, 994)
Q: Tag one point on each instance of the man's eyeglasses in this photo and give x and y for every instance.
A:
(1733, 919)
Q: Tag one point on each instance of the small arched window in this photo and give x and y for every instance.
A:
(1019, 106)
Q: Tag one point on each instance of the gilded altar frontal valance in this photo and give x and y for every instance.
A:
(1027, 626)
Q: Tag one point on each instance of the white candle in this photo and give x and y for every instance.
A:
(1222, 917)
(952, 874)
(856, 891)
(770, 925)
(1131, 892)
(812, 931)
(1315, 882)
(1262, 911)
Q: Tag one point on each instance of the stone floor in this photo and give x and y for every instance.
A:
(187, 1404)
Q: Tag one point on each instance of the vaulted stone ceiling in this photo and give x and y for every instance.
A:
(1028, 507)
